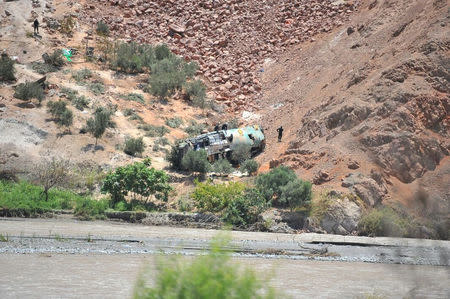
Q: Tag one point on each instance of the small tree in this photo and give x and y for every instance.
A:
(209, 197)
(250, 165)
(138, 180)
(134, 146)
(51, 173)
(196, 161)
(7, 69)
(97, 125)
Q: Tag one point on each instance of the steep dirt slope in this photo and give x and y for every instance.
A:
(367, 106)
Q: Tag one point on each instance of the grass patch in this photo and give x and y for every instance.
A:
(133, 97)
(82, 75)
(23, 199)
(97, 88)
(154, 131)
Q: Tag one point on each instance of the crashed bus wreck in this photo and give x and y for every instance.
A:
(221, 143)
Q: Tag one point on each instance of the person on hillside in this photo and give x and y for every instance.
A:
(36, 26)
(280, 133)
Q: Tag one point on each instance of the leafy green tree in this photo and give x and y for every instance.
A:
(269, 184)
(196, 161)
(295, 193)
(137, 180)
(97, 125)
(211, 276)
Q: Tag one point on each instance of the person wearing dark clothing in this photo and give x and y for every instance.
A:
(280, 133)
(216, 128)
(36, 26)
(224, 127)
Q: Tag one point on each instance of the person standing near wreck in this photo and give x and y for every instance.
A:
(36, 26)
(280, 133)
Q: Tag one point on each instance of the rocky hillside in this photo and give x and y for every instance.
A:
(366, 108)
(230, 39)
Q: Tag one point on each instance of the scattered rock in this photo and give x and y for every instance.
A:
(321, 177)
(352, 164)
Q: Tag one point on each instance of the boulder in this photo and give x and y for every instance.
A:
(369, 190)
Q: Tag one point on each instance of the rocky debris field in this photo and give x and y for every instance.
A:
(230, 39)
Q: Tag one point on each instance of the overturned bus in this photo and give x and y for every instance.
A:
(221, 143)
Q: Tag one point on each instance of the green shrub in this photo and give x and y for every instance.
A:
(82, 75)
(196, 93)
(43, 68)
(134, 146)
(88, 209)
(55, 59)
(185, 204)
(194, 128)
(174, 122)
(61, 114)
(29, 90)
(137, 180)
(162, 51)
(270, 184)
(71, 94)
(222, 166)
(133, 57)
(173, 157)
(190, 69)
(167, 76)
(102, 28)
(384, 221)
(209, 197)
(162, 141)
(196, 161)
(7, 69)
(97, 88)
(154, 131)
(81, 102)
(295, 193)
(250, 165)
(245, 209)
(241, 152)
(134, 97)
(211, 276)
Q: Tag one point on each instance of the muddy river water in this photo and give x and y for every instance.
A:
(69, 259)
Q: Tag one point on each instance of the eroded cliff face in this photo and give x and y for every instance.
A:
(367, 107)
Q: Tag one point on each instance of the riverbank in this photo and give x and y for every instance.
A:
(56, 236)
